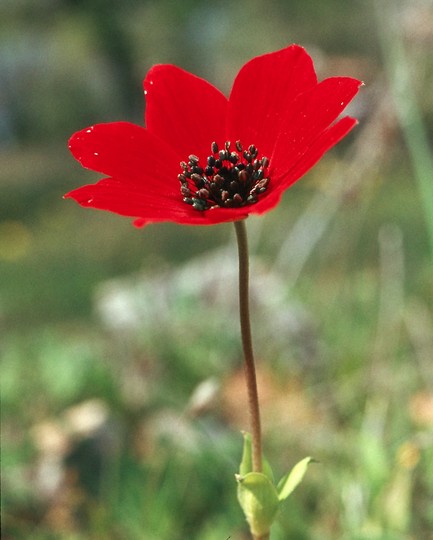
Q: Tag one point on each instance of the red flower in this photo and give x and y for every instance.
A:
(182, 167)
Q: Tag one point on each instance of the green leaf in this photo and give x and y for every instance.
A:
(246, 465)
(259, 501)
(293, 478)
(267, 470)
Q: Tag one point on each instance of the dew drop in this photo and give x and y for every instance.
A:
(96, 153)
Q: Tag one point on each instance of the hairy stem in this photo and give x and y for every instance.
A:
(250, 371)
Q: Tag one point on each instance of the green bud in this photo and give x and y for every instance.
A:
(257, 494)
(259, 501)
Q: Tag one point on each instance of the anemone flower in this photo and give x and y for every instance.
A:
(204, 159)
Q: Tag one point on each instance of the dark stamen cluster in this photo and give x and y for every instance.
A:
(230, 179)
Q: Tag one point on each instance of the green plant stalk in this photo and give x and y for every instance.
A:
(249, 367)
(409, 115)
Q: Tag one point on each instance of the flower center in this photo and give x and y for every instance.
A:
(229, 179)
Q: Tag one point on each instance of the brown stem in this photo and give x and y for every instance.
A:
(250, 371)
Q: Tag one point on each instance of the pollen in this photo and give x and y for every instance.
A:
(229, 179)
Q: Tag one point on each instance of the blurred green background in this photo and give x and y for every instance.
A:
(122, 389)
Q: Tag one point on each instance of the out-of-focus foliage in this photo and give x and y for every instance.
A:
(122, 388)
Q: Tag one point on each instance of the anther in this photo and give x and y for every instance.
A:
(234, 186)
(263, 183)
(247, 156)
(233, 158)
(243, 176)
(199, 204)
(229, 179)
(259, 174)
(198, 180)
(203, 193)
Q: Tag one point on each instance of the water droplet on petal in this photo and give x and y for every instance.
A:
(96, 153)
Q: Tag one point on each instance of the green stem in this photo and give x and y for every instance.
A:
(250, 371)
(400, 74)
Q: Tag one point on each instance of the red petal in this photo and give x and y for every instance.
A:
(133, 201)
(185, 111)
(263, 90)
(129, 153)
(321, 145)
(310, 114)
(145, 185)
(209, 217)
(124, 198)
